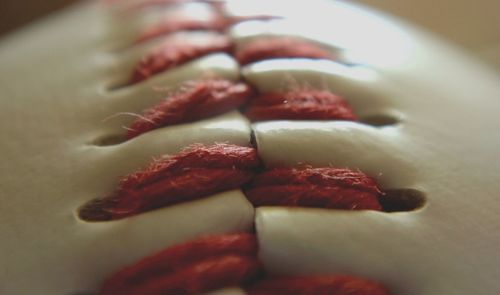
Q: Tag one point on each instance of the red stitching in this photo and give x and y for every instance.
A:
(200, 100)
(174, 52)
(214, 262)
(306, 104)
(196, 172)
(193, 267)
(201, 171)
(279, 47)
(315, 187)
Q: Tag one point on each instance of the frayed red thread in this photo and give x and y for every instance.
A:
(202, 99)
(326, 284)
(194, 173)
(305, 104)
(175, 52)
(279, 47)
(333, 188)
(197, 266)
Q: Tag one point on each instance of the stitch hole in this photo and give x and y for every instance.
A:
(400, 200)
(380, 120)
(109, 139)
(93, 211)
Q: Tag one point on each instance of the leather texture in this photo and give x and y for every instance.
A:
(63, 108)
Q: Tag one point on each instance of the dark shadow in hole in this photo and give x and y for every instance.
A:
(407, 199)
(95, 210)
(108, 140)
(380, 120)
(253, 139)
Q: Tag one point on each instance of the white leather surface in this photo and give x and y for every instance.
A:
(56, 106)
(444, 145)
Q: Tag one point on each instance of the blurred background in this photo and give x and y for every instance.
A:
(15, 13)
(473, 25)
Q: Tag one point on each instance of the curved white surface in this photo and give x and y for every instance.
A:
(443, 145)
(55, 104)
(55, 107)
